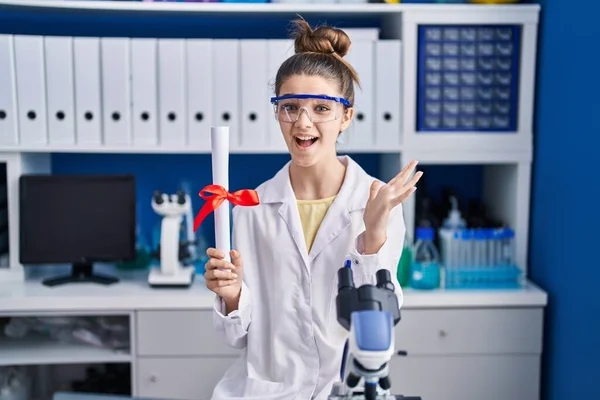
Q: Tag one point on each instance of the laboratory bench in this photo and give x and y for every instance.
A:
(451, 344)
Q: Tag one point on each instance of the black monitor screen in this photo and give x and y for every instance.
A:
(77, 219)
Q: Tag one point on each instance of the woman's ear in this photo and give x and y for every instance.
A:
(347, 118)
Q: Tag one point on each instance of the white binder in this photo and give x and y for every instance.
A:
(116, 91)
(361, 57)
(144, 91)
(88, 103)
(226, 92)
(9, 127)
(199, 75)
(31, 90)
(60, 90)
(388, 93)
(255, 94)
(171, 92)
(279, 51)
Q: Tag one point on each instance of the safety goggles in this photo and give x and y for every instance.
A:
(318, 108)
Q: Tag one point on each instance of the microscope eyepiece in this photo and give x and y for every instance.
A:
(384, 280)
(345, 278)
(180, 197)
(158, 199)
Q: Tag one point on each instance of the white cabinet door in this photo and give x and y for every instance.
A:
(180, 333)
(488, 377)
(180, 378)
(477, 331)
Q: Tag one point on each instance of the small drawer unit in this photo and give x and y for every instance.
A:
(468, 78)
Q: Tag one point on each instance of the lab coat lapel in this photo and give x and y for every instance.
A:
(289, 212)
(350, 198)
(336, 220)
(279, 191)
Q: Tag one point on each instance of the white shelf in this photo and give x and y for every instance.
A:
(43, 351)
(426, 156)
(528, 296)
(459, 156)
(133, 293)
(256, 8)
(137, 149)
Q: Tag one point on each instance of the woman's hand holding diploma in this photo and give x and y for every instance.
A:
(224, 277)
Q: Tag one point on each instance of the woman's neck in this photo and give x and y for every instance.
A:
(319, 181)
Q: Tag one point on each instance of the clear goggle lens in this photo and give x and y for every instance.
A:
(318, 108)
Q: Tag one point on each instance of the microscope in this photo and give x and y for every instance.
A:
(369, 313)
(171, 272)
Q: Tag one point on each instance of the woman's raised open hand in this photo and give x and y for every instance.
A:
(382, 199)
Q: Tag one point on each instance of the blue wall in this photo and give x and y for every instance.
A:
(565, 217)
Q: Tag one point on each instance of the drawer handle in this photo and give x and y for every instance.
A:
(153, 378)
(402, 353)
(443, 333)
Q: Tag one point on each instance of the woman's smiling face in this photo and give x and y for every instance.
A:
(309, 142)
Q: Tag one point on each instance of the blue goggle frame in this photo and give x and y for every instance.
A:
(311, 96)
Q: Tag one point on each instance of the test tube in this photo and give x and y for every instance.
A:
(492, 247)
(486, 247)
(456, 253)
(447, 245)
(467, 247)
(476, 249)
(479, 247)
(498, 245)
(510, 247)
(504, 257)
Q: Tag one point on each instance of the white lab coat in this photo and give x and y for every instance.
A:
(286, 322)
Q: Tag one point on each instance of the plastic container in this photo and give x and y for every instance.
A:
(488, 261)
(450, 243)
(500, 277)
(454, 219)
(425, 268)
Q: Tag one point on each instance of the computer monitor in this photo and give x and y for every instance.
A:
(77, 220)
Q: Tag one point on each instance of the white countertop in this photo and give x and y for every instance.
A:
(133, 293)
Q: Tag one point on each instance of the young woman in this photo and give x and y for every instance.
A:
(319, 210)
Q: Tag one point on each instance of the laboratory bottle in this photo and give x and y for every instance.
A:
(454, 219)
(403, 272)
(449, 235)
(425, 268)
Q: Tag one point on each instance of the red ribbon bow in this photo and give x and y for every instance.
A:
(244, 197)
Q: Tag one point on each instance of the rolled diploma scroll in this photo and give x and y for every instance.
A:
(219, 139)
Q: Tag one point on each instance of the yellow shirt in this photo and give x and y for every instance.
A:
(312, 213)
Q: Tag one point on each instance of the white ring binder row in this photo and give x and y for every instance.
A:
(87, 93)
